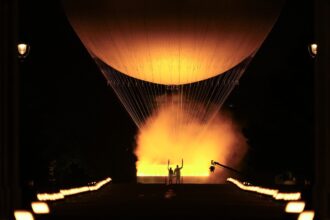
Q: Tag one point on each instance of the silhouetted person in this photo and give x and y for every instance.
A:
(170, 173)
(177, 173)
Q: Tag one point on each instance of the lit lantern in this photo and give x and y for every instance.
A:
(312, 48)
(23, 50)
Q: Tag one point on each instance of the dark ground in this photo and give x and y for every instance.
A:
(188, 201)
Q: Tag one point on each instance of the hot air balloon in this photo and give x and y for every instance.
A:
(179, 56)
(197, 48)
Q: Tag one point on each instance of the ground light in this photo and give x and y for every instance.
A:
(306, 215)
(40, 207)
(295, 207)
(23, 215)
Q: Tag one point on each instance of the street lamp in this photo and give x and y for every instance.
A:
(312, 48)
(23, 50)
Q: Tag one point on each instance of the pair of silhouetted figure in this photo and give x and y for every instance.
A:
(176, 173)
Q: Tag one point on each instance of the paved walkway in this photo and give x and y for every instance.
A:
(186, 201)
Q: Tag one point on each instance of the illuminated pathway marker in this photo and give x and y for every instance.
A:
(66, 192)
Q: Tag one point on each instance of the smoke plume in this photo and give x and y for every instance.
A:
(185, 129)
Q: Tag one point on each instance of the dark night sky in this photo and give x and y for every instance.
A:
(69, 112)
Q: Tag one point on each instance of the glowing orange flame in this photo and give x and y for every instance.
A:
(177, 131)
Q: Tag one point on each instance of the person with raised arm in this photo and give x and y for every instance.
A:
(177, 173)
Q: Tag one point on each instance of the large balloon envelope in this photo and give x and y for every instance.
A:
(174, 58)
(172, 42)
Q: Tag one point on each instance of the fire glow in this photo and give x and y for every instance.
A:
(177, 132)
